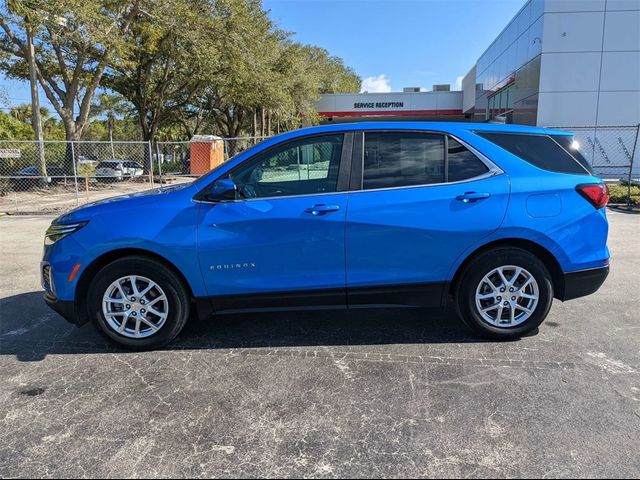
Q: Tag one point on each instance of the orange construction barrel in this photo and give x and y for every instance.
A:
(207, 152)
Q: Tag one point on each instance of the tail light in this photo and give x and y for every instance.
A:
(596, 193)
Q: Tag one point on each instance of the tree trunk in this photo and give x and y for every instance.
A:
(148, 135)
(70, 158)
(110, 123)
(254, 125)
(262, 122)
(269, 123)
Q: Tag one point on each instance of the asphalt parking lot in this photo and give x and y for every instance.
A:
(392, 393)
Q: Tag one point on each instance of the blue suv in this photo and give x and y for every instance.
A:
(495, 220)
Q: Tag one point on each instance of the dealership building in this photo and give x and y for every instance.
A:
(563, 63)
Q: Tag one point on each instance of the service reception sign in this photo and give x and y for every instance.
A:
(390, 104)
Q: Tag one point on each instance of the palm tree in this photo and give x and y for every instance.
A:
(22, 113)
(48, 125)
(111, 107)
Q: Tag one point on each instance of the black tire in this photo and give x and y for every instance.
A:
(474, 272)
(177, 298)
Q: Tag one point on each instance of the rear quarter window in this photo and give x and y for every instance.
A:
(568, 143)
(539, 150)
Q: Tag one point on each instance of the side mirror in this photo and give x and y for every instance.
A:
(223, 190)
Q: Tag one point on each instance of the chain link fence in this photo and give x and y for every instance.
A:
(612, 151)
(57, 176)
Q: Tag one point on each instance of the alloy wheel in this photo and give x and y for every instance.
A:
(135, 306)
(507, 296)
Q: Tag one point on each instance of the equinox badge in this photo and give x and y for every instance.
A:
(232, 266)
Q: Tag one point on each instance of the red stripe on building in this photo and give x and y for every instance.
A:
(390, 113)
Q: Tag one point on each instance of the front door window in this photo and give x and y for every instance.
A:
(302, 167)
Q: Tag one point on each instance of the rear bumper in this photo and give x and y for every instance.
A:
(583, 282)
(66, 308)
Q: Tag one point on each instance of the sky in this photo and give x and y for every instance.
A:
(393, 44)
(390, 44)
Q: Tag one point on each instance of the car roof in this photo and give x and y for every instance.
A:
(450, 127)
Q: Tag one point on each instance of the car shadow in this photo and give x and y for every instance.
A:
(628, 209)
(31, 331)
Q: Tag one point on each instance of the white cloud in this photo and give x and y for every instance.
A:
(458, 84)
(379, 84)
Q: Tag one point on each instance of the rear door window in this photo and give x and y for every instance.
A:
(539, 150)
(399, 159)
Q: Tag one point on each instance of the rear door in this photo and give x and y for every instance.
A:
(420, 200)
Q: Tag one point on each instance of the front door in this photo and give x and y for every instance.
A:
(282, 242)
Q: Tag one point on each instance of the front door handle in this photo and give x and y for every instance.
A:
(322, 208)
(470, 197)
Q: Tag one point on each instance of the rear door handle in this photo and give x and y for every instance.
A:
(322, 208)
(470, 197)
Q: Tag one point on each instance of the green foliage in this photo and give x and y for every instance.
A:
(86, 170)
(74, 41)
(172, 68)
(620, 194)
(52, 128)
(175, 166)
(13, 129)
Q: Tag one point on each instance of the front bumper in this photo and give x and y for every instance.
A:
(583, 282)
(66, 308)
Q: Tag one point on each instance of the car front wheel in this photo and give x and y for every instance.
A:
(504, 293)
(138, 303)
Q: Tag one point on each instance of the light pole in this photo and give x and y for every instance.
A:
(35, 106)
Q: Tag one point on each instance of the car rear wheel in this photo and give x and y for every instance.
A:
(504, 293)
(138, 303)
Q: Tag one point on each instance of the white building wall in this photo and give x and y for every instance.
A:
(469, 90)
(556, 63)
(512, 59)
(590, 63)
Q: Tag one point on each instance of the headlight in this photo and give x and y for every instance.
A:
(57, 232)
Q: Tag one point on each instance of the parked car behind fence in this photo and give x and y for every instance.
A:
(118, 170)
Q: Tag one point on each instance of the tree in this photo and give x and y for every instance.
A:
(22, 113)
(266, 78)
(52, 128)
(112, 107)
(245, 80)
(162, 71)
(74, 41)
(13, 129)
(191, 66)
